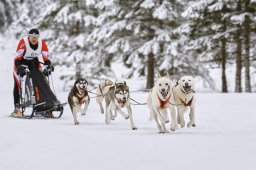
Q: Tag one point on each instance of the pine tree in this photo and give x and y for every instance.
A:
(210, 32)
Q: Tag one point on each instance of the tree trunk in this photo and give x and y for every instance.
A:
(238, 85)
(223, 61)
(223, 64)
(150, 76)
(247, 55)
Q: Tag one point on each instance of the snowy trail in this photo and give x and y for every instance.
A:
(224, 139)
(225, 136)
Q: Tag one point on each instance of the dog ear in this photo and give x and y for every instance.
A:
(125, 83)
(177, 82)
(158, 75)
(168, 76)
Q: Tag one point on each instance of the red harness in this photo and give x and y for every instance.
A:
(163, 103)
(187, 104)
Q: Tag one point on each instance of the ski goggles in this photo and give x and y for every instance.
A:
(35, 36)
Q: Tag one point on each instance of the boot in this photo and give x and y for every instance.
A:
(17, 113)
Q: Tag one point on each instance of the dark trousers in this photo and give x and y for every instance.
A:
(16, 94)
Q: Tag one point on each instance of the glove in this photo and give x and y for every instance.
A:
(17, 63)
(21, 71)
(50, 67)
(47, 62)
(46, 72)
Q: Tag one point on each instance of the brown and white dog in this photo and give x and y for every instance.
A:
(184, 97)
(77, 97)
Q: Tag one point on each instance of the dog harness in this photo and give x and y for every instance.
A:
(81, 99)
(187, 104)
(163, 104)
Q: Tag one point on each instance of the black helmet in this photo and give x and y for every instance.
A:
(33, 31)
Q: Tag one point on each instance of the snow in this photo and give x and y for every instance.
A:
(147, 4)
(161, 13)
(238, 19)
(90, 2)
(223, 139)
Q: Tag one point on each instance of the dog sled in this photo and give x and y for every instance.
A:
(36, 93)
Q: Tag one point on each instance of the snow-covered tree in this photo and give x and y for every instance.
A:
(142, 33)
(67, 25)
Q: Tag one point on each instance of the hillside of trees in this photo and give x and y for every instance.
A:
(182, 37)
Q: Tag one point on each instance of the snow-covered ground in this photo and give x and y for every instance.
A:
(225, 136)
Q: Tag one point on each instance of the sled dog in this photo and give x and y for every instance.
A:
(116, 96)
(77, 97)
(184, 97)
(101, 91)
(158, 103)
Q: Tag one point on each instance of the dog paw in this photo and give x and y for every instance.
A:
(82, 114)
(161, 132)
(173, 129)
(127, 117)
(167, 121)
(182, 124)
(76, 123)
(134, 128)
(191, 124)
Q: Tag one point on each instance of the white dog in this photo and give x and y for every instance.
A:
(184, 97)
(158, 103)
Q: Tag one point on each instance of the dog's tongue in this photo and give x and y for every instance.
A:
(121, 101)
(188, 89)
(164, 94)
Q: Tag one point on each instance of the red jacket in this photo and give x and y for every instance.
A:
(20, 52)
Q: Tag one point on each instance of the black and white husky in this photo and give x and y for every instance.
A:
(77, 97)
(116, 96)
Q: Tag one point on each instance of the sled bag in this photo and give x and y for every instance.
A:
(42, 90)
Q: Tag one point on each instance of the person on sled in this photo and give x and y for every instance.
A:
(31, 51)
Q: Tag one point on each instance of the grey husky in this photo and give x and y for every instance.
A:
(116, 96)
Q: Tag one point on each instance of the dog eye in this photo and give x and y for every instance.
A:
(160, 84)
(166, 84)
(189, 80)
(183, 80)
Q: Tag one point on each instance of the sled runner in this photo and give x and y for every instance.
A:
(35, 92)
